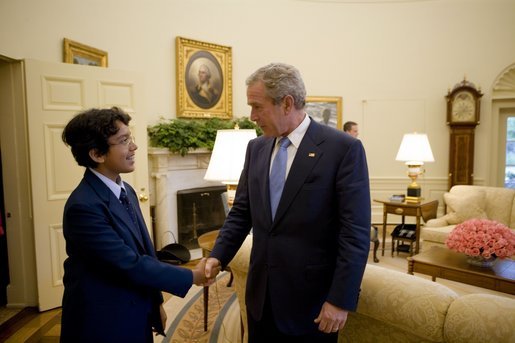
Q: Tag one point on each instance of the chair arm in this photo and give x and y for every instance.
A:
(438, 222)
(405, 301)
(475, 318)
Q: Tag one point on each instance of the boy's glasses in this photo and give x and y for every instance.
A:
(126, 141)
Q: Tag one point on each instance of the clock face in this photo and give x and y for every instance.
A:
(463, 108)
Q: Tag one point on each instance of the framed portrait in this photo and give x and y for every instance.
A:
(325, 109)
(204, 79)
(77, 53)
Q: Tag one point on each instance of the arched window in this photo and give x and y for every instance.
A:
(509, 161)
(503, 129)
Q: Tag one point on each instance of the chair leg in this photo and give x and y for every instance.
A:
(231, 277)
(376, 245)
(375, 238)
(242, 328)
(206, 302)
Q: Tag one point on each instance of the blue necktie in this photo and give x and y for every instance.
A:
(278, 174)
(124, 199)
(128, 206)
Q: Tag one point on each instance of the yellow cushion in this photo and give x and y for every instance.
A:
(464, 207)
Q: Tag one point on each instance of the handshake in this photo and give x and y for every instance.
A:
(205, 272)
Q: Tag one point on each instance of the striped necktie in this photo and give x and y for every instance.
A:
(124, 199)
(278, 174)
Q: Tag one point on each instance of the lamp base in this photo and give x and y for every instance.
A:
(413, 200)
(414, 194)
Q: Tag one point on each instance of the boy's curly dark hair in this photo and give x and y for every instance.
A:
(91, 129)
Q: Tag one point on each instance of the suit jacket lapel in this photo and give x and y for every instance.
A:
(115, 207)
(119, 211)
(306, 158)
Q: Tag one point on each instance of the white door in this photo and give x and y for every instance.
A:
(55, 92)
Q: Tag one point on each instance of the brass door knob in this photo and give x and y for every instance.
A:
(143, 196)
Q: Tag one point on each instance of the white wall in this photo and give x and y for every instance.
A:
(391, 62)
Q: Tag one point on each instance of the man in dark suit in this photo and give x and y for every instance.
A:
(308, 254)
(112, 278)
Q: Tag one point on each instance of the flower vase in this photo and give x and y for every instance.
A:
(480, 261)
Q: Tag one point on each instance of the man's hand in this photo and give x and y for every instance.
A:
(199, 276)
(331, 318)
(213, 267)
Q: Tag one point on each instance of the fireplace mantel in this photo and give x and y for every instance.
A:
(169, 173)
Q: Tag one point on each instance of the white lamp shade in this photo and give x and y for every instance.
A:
(228, 155)
(415, 149)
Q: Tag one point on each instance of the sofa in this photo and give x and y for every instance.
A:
(398, 307)
(467, 202)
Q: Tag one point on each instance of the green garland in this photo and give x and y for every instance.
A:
(182, 135)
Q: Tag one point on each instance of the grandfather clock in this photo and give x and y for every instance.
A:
(463, 104)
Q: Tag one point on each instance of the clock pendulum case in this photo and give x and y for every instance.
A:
(463, 104)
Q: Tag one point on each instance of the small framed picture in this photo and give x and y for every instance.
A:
(204, 79)
(326, 110)
(78, 53)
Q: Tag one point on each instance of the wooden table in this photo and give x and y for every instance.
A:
(447, 264)
(425, 210)
(207, 241)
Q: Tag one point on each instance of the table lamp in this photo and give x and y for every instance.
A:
(414, 151)
(228, 157)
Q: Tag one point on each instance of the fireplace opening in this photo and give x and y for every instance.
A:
(199, 210)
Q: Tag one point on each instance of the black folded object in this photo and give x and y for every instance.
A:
(174, 253)
(407, 231)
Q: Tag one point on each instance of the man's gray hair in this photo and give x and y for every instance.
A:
(281, 80)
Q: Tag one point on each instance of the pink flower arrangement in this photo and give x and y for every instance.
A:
(482, 237)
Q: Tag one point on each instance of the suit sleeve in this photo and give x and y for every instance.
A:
(353, 195)
(94, 237)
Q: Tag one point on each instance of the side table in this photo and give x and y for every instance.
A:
(425, 210)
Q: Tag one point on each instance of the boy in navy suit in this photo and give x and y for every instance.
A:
(112, 278)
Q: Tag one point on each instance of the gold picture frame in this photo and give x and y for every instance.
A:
(78, 53)
(326, 110)
(204, 79)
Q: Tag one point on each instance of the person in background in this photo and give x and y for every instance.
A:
(112, 278)
(351, 128)
(311, 233)
(326, 115)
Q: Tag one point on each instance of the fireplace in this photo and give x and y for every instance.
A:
(199, 210)
(170, 174)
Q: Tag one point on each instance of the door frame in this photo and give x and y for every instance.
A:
(18, 194)
(22, 289)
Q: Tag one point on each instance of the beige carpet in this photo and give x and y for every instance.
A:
(185, 322)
